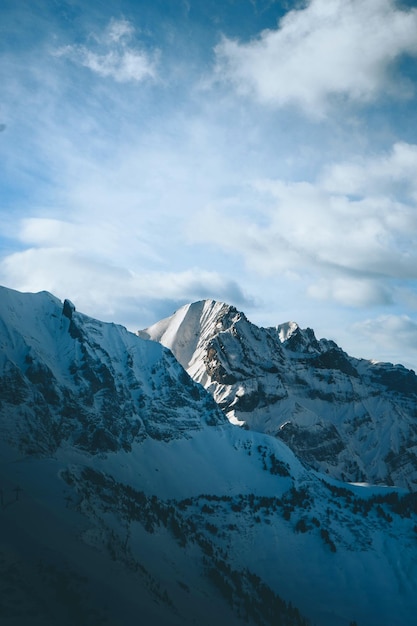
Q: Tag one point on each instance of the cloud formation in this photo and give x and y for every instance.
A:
(357, 292)
(391, 173)
(339, 49)
(347, 232)
(396, 334)
(391, 329)
(132, 182)
(58, 270)
(110, 54)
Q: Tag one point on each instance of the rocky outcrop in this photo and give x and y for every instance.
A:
(351, 418)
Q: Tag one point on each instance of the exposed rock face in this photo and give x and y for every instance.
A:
(351, 418)
(67, 377)
(68, 309)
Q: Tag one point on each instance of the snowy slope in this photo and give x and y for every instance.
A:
(186, 520)
(353, 419)
(67, 377)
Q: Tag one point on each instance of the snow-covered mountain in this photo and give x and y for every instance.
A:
(353, 419)
(70, 378)
(127, 498)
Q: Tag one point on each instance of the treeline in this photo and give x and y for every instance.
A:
(404, 505)
(251, 598)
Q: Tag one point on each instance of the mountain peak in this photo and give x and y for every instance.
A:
(297, 339)
(183, 331)
(344, 416)
(286, 330)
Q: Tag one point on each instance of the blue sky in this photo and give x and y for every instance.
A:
(259, 152)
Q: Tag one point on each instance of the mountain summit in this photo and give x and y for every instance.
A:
(350, 418)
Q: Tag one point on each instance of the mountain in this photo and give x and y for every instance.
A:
(70, 378)
(353, 419)
(127, 498)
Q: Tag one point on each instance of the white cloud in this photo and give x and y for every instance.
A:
(111, 193)
(350, 248)
(392, 335)
(112, 55)
(303, 225)
(119, 29)
(102, 287)
(392, 173)
(350, 292)
(337, 48)
(101, 237)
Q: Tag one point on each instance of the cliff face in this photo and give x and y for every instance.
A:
(353, 419)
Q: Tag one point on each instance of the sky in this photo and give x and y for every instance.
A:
(257, 152)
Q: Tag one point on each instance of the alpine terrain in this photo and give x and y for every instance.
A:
(127, 498)
(352, 419)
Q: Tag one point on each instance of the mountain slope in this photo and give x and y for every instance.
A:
(185, 520)
(67, 377)
(353, 419)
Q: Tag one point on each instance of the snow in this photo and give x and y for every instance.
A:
(233, 419)
(311, 538)
(286, 330)
(180, 332)
(286, 377)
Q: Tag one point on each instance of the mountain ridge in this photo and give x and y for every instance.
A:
(352, 418)
(62, 359)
